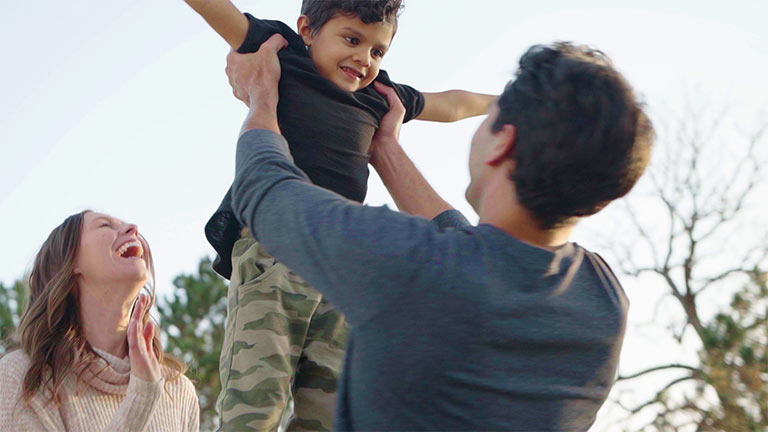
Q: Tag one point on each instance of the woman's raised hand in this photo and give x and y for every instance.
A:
(144, 363)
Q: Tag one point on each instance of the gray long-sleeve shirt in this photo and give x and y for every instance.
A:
(460, 328)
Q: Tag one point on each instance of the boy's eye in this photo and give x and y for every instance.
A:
(352, 40)
(105, 224)
(378, 53)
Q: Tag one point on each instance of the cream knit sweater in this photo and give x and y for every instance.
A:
(107, 399)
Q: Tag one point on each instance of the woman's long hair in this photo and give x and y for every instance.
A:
(50, 332)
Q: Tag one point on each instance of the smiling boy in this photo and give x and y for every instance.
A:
(282, 336)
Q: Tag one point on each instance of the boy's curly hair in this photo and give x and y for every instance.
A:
(369, 11)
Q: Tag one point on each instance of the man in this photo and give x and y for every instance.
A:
(501, 326)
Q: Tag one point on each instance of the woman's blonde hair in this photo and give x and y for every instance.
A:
(50, 332)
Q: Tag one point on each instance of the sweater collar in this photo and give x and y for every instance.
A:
(108, 373)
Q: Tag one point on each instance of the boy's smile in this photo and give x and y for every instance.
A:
(347, 51)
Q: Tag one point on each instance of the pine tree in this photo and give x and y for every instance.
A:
(193, 317)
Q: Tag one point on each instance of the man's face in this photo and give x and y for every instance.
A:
(349, 52)
(482, 143)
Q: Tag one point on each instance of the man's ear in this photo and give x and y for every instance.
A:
(304, 30)
(503, 145)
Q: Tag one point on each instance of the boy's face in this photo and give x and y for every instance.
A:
(347, 51)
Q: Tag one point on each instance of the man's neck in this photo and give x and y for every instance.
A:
(500, 207)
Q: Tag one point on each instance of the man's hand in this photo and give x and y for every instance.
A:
(388, 133)
(409, 189)
(254, 79)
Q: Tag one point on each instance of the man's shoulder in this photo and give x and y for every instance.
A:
(605, 275)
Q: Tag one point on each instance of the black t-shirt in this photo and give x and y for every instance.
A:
(329, 130)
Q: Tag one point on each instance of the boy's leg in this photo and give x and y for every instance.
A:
(314, 390)
(268, 316)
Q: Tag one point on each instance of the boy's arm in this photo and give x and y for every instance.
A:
(454, 105)
(225, 18)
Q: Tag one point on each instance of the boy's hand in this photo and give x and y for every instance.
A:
(254, 77)
(388, 132)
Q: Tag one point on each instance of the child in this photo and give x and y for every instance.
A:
(281, 334)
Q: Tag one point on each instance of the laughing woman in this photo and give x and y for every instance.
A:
(90, 359)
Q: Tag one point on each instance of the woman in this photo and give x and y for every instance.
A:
(90, 359)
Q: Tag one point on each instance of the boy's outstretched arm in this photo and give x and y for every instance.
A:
(224, 17)
(454, 105)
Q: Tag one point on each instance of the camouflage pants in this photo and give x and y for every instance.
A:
(282, 338)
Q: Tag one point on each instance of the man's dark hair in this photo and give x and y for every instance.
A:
(582, 138)
(369, 11)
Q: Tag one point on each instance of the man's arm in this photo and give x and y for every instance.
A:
(363, 258)
(408, 187)
(254, 81)
(224, 18)
(454, 105)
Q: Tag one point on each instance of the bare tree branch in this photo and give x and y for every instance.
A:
(643, 233)
(659, 368)
(706, 283)
(659, 395)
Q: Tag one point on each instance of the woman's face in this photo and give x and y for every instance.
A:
(112, 253)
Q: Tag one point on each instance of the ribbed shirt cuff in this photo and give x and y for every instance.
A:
(450, 219)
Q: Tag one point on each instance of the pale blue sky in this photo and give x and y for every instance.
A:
(123, 106)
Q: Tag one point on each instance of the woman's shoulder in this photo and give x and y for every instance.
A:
(179, 383)
(14, 364)
(13, 367)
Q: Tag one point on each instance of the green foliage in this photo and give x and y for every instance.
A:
(734, 361)
(12, 300)
(193, 318)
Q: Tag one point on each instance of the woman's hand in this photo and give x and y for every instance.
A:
(144, 363)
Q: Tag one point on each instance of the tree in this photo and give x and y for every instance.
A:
(735, 361)
(11, 306)
(698, 237)
(193, 317)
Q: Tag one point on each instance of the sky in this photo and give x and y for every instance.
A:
(124, 107)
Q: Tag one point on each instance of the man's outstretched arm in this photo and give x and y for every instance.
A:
(408, 187)
(363, 258)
